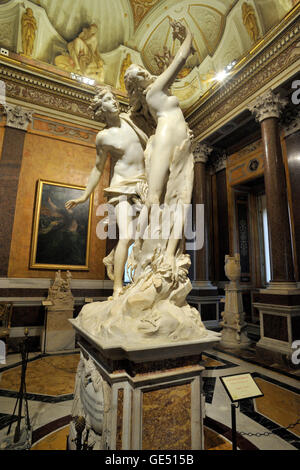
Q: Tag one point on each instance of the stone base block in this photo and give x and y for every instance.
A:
(279, 330)
(59, 334)
(135, 401)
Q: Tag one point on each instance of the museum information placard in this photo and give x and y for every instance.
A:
(241, 387)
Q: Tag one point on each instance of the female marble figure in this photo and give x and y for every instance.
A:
(124, 142)
(171, 141)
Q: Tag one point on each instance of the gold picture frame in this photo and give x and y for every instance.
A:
(60, 238)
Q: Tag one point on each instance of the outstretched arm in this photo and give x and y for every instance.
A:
(93, 180)
(166, 79)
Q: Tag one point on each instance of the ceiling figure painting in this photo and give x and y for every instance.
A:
(100, 39)
(250, 21)
(83, 56)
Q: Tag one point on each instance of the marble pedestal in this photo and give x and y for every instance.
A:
(59, 334)
(279, 328)
(140, 398)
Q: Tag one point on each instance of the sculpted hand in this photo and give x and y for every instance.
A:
(73, 203)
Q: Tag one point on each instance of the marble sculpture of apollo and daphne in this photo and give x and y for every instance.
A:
(156, 171)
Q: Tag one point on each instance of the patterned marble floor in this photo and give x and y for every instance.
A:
(50, 383)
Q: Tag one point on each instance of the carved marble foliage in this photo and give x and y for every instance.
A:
(201, 152)
(17, 117)
(268, 105)
(92, 401)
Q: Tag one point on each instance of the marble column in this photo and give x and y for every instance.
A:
(267, 109)
(279, 304)
(201, 272)
(17, 121)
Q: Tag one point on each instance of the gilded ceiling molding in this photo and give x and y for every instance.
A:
(274, 59)
(140, 9)
(47, 93)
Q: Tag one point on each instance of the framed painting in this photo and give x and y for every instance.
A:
(60, 238)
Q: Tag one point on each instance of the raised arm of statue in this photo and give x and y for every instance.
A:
(93, 180)
(166, 79)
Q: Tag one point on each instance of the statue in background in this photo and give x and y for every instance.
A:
(250, 21)
(29, 27)
(83, 56)
(60, 293)
(125, 142)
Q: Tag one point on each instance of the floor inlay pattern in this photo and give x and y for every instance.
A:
(50, 386)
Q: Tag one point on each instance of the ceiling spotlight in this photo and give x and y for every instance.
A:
(221, 76)
(79, 78)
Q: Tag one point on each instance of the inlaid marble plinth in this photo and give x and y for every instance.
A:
(140, 399)
(279, 328)
(59, 334)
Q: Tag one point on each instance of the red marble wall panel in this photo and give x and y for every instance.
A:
(10, 165)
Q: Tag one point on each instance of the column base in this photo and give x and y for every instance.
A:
(281, 288)
(203, 285)
(229, 339)
(279, 326)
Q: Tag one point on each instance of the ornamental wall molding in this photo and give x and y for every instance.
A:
(282, 53)
(201, 152)
(44, 125)
(267, 105)
(17, 117)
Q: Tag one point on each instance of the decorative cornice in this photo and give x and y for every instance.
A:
(17, 117)
(282, 52)
(268, 105)
(47, 91)
(201, 152)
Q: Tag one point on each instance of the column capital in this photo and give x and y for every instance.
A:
(201, 152)
(17, 117)
(268, 105)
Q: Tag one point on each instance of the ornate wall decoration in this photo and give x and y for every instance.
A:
(62, 130)
(29, 28)
(17, 117)
(250, 21)
(140, 9)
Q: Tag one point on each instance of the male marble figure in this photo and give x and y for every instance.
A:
(125, 142)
